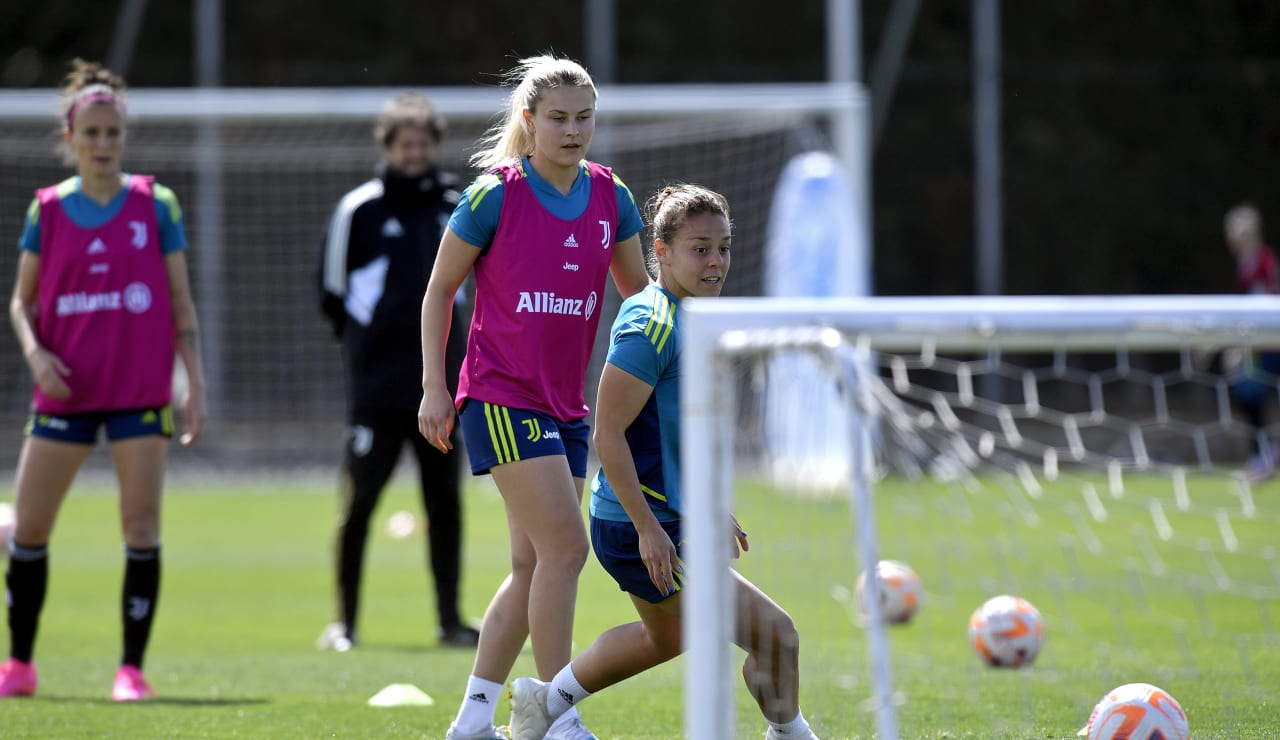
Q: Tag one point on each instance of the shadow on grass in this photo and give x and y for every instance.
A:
(416, 649)
(170, 701)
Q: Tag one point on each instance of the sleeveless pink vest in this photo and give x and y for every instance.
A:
(104, 306)
(539, 291)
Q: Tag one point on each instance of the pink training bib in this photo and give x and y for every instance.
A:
(539, 290)
(104, 306)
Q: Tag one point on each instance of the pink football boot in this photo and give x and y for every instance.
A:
(17, 678)
(131, 686)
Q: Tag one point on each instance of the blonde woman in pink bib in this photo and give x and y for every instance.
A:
(540, 231)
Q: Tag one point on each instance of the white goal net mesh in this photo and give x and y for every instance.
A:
(1114, 484)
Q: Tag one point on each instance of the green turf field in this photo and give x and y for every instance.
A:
(247, 589)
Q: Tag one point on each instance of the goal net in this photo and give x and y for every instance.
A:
(1086, 454)
(258, 173)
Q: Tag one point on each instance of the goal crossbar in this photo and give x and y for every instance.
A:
(237, 104)
(972, 323)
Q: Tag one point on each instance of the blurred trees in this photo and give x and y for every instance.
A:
(1129, 128)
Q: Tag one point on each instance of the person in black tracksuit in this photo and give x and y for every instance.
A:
(378, 254)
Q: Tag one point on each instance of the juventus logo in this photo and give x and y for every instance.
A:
(604, 240)
(138, 607)
(139, 233)
(535, 430)
(361, 439)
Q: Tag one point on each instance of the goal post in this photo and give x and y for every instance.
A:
(869, 349)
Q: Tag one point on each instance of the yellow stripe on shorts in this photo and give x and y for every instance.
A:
(503, 436)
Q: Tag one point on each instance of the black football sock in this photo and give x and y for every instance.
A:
(138, 601)
(26, 580)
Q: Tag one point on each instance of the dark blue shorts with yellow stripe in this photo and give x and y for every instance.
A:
(119, 424)
(497, 435)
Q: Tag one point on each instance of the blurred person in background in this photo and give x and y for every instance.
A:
(540, 230)
(1253, 375)
(101, 302)
(377, 257)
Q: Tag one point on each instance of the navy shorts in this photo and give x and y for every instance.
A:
(617, 547)
(496, 435)
(83, 428)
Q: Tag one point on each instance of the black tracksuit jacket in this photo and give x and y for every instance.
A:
(385, 235)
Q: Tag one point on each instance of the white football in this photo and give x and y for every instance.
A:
(401, 525)
(1006, 632)
(1137, 711)
(6, 527)
(899, 591)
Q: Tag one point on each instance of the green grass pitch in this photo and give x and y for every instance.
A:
(246, 590)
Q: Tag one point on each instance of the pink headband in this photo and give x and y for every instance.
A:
(93, 94)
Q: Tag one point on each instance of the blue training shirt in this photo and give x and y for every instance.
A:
(88, 214)
(475, 219)
(645, 342)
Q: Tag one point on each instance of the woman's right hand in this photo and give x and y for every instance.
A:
(49, 370)
(435, 419)
(660, 556)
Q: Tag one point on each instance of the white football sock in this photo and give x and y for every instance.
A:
(797, 727)
(564, 692)
(478, 705)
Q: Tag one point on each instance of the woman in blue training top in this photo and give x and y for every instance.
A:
(636, 499)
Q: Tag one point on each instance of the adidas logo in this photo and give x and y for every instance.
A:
(571, 242)
(565, 695)
(479, 697)
(392, 227)
(97, 247)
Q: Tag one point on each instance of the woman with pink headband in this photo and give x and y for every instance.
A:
(101, 303)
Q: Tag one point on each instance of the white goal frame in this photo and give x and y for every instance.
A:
(714, 332)
(210, 132)
(230, 104)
